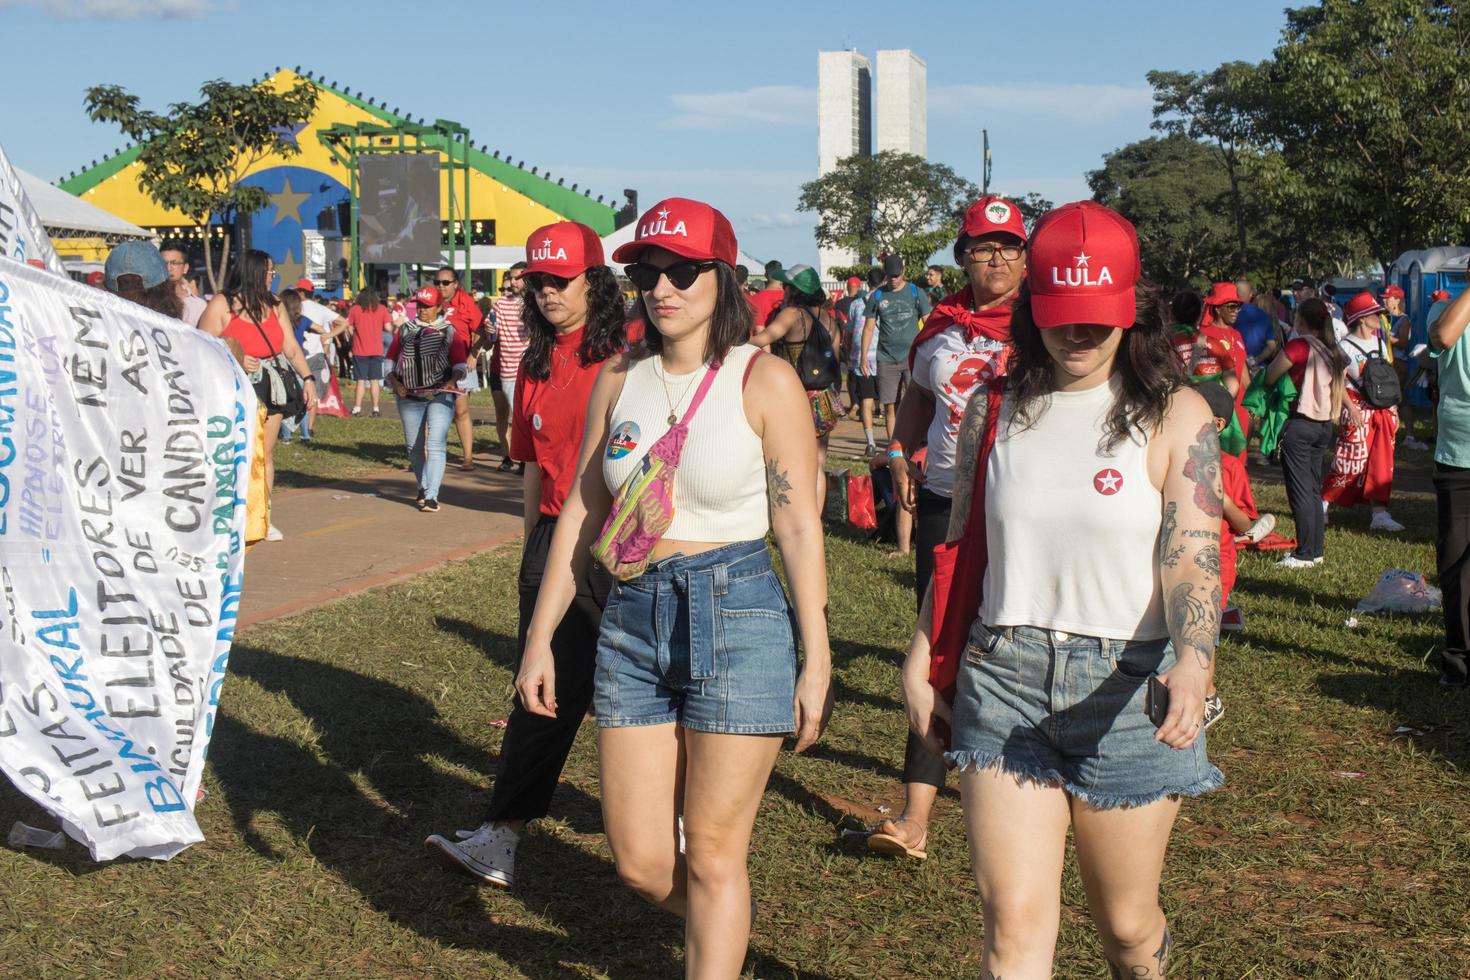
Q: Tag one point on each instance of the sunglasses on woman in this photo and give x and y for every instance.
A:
(681, 275)
(537, 281)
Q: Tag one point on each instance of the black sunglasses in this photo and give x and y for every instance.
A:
(681, 275)
(537, 281)
(444, 282)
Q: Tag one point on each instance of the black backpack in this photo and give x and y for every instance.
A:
(1377, 382)
(818, 362)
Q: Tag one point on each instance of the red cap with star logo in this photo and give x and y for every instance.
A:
(566, 249)
(1083, 267)
(692, 229)
(993, 214)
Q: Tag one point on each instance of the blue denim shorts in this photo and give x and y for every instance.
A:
(707, 641)
(1059, 709)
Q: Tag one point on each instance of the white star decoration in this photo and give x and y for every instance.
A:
(546, 242)
(663, 212)
(1082, 260)
(1108, 480)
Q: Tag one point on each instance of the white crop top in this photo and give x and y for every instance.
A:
(720, 486)
(1072, 535)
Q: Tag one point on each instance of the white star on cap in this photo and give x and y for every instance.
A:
(546, 242)
(663, 212)
(1082, 260)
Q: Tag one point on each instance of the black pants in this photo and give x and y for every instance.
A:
(535, 747)
(931, 525)
(1303, 443)
(1452, 549)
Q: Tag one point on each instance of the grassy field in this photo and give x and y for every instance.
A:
(1337, 847)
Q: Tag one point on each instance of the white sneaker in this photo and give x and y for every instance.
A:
(488, 855)
(1263, 526)
(1383, 521)
(273, 533)
(1292, 561)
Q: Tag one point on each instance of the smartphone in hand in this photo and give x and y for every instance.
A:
(1156, 701)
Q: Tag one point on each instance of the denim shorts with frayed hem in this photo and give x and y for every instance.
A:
(706, 641)
(1064, 710)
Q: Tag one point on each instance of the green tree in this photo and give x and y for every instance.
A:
(1176, 192)
(1368, 109)
(1031, 205)
(1216, 107)
(888, 202)
(194, 156)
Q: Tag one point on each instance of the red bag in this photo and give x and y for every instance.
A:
(331, 402)
(860, 510)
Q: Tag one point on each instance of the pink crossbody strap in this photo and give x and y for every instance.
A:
(699, 393)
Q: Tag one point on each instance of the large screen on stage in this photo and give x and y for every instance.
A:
(398, 216)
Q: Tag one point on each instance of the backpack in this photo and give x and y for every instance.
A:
(644, 507)
(1377, 382)
(818, 362)
(423, 357)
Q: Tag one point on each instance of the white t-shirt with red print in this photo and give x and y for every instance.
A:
(953, 368)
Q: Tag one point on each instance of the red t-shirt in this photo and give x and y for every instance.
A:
(546, 426)
(465, 314)
(1237, 486)
(1297, 351)
(766, 303)
(367, 330)
(263, 341)
(1224, 352)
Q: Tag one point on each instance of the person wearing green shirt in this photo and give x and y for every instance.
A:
(894, 310)
(1451, 345)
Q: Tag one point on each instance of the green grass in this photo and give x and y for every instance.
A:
(351, 732)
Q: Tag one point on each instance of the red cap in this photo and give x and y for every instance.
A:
(428, 296)
(1392, 290)
(854, 280)
(306, 285)
(1439, 294)
(1222, 293)
(993, 214)
(96, 277)
(1083, 267)
(566, 249)
(692, 229)
(1360, 306)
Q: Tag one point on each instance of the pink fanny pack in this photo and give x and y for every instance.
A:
(644, 507)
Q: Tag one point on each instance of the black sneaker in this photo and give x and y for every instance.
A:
(520, 469)
(506, 464)
(431, 506)
(418, 501)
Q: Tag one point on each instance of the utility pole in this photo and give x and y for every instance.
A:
(985, 175)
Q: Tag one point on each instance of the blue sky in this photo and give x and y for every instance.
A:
(668, 98)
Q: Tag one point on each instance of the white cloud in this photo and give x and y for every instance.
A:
(1081, 103)
(780, 219)
(765, 105)
(121, 9)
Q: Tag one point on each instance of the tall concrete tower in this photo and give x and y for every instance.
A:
(903, 112)
(844, 121)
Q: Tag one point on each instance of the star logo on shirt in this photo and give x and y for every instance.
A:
(1107, 482)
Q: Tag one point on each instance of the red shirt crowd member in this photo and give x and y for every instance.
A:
(573, 323)
(464, 314)
(965, 343)
(766, 302)
(1083, 575)
(368, 318)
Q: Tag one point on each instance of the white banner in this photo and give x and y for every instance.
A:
(124, 467)
(21, 236)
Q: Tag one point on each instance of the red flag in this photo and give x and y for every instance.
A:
(331, 402)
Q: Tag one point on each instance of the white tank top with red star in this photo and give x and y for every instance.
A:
(1072, 535)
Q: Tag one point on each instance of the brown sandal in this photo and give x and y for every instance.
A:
(888, 842)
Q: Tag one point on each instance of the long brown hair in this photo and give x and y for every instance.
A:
(1316, 318)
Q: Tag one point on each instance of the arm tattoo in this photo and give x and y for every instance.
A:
(1208, 559)
(967, 449)
(1193, 621)
(1169, 552)
(778, 487)
(1203, 468)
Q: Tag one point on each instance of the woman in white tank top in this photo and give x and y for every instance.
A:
(696, 676)
(1088, 567)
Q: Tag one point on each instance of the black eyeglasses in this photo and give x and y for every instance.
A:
(444, 282)
(537, 281)
(985, 251)
(505, 289)
(681, 275)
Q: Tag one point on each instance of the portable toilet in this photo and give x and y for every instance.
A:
(1419, 274)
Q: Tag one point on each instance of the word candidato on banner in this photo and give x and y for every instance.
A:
(124, 466)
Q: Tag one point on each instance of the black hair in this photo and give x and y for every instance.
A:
(741, 274)
(516, 265)
(602, 334)
(772, 266)
(1186, 307)
(795, 297)
(249, 288)
(935, 268)
(367, 299)
(451, 270)
(875, 277)
(729, 326)
(1218, 397)
(1329, 290)
(174, 246)
(1145, 362)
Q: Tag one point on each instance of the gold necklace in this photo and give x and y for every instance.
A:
(664, 378)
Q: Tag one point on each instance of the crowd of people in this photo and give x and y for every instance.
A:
(1068, 448)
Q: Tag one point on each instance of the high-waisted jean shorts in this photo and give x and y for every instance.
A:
(1059, 709)
(706, 641)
